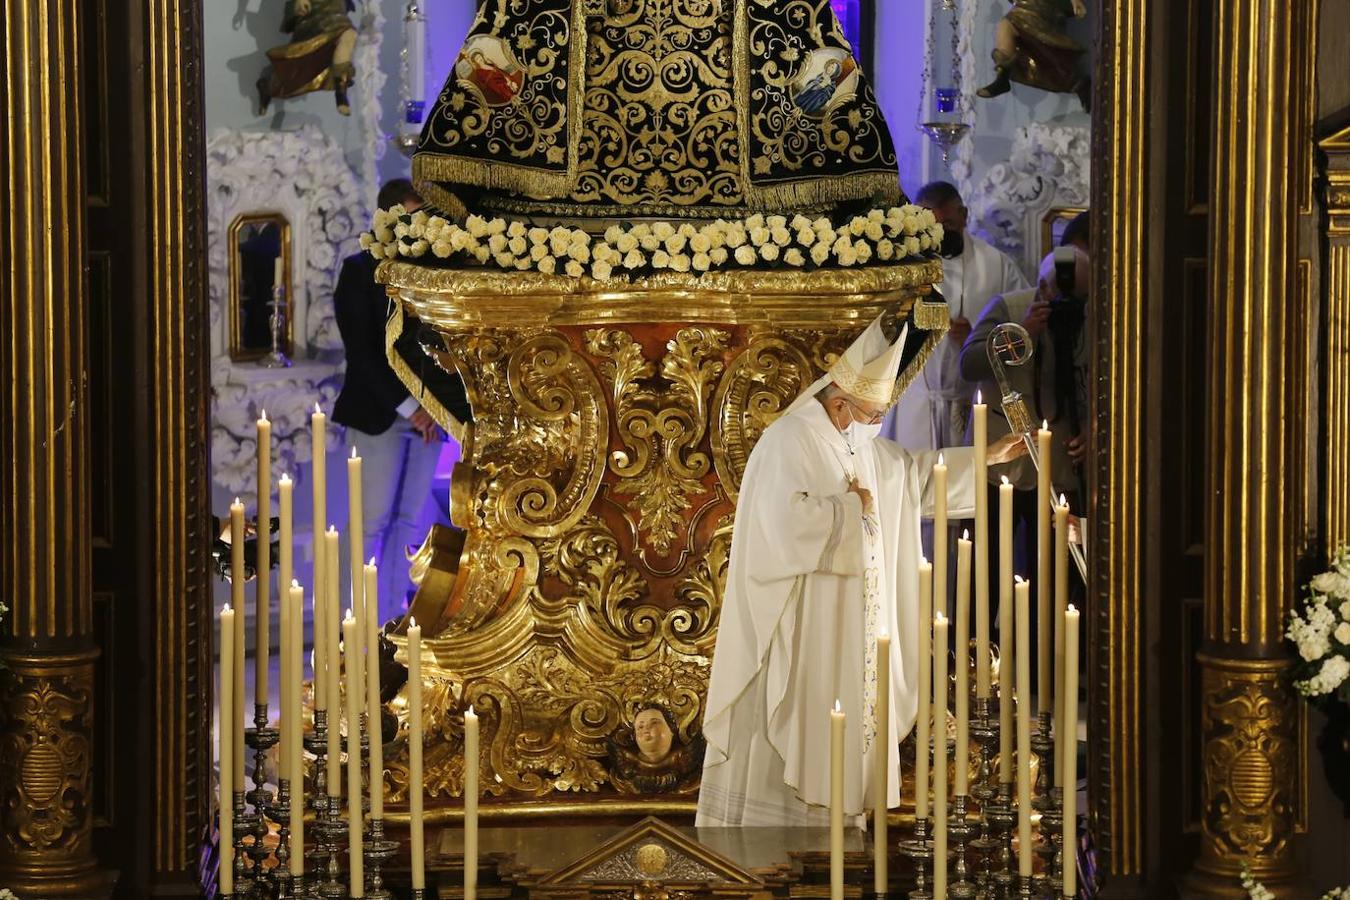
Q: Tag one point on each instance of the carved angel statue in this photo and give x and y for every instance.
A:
(319, 56)
(1032, 47)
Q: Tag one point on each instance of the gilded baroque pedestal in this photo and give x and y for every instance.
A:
(596, 493)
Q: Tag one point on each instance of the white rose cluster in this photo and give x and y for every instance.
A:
(882, 235)
(1320, 631)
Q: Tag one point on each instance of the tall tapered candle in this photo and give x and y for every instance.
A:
(924, 724)
(356, 531)
(416, 840)
(331, 628)
(940, 632)
(226, 711)
(292, 732)
(963, 550)
(940, 539)
(278, 267)
(981, 434)
(372, 577)
(1022, 592)
(285, 533)
(836, 803)
(319, 495)
(1006, 653)
(1068, 743)
(417, 58)
(1061, 605)
(881, 772)
(471, 764)
(237, 538)
(262, 641)
(1045, 650)
(355, 687)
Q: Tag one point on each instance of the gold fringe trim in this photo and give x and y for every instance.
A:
(931, 316)
(491, 175)
(424, 397)
(444, 201)
(835, 189)
(907, 377)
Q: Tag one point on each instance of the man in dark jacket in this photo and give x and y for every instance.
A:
(398, 440)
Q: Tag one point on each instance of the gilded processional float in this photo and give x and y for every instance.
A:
(651, 225)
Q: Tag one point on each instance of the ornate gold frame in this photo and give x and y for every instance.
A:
(241, 221)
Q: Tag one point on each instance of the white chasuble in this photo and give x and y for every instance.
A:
(810, 585)
(931, 412)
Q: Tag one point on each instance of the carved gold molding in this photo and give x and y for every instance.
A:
(1337, 431)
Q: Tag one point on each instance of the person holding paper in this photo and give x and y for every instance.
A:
(824, 557)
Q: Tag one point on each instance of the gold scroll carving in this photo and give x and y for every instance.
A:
(596, 494)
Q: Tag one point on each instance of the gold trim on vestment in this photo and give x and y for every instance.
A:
(424, 397)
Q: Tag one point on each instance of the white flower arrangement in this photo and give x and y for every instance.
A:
(1320, 632)
(1258, 891)
(624, 251)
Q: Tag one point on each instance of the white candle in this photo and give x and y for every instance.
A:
(415, 788)
(1022, 591)
(331, 664)
(355, 686)
(278, 268)
(470, 804)
(940, 632)
(940, 540)
(836, 803)
(1044, 584)
(237, 538)
(981, 434)
(417, 58)
(963, 549)
(1061, 606)
(1069, 744)
(881, 773)
(1006, 635)
(373, 693)
(262, 644)
(356, 531)
(318, 489)
(226, 711)
(923, 747)
(286, 534)
(292, 732)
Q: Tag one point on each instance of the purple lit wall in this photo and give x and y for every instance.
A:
(897, 76)
(849, 14)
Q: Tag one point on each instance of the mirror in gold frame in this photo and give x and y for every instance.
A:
(1053, 224)
(256, 241)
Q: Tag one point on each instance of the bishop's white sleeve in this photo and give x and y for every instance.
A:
(1013, 279)
(961, 484)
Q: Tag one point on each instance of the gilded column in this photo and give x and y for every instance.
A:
(1249, 715)
(46, 704)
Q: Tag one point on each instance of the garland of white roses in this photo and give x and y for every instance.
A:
(759, 241)
(1320, 630)
(1258, 891)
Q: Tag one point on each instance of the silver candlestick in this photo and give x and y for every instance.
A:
(276, 357)
(920, 849)
(960, 829)
(985, 730)
(377, 852)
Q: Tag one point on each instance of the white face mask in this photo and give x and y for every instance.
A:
(859, 433)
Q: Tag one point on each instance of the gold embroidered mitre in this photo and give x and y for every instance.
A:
(865, 375)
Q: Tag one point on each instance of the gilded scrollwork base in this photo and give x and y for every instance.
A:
(46, 757)
(596, 494)
(1249, 764)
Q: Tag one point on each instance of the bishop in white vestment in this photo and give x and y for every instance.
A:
(932, 413)
(824, 557)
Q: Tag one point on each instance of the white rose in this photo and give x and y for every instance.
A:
(821, 224)
(663, 230)
(776, 222)
(701, 262)
(679, 262)
(538, 235)
(840, 245)
(863, 251)
(548, 265)
(827, 237)
(650, 242)
(769, 252)
(476, 226)
(517, 230)
(718, 255)
(518, 246)
(927, 217)
(420, 218)
(876, 216)
(559, 245)
(498, 242)
(857, 226)
(717, 233)
(660, 259)
(380, 219)
(384, 235)
(634, 260)
(641, 230)
(912, 246)
(397, 210)
(794, 257)
(559, 233)
(601, 270)
(503, 260)
(745, 255)
(759, 236)
(799, 222)
(538, 252)
(874, 231)
(936, 232)
(481, 254)
(442, 249)
(819, 253)
(524, 263)
(366, 240)
(1342, 634)
(420, 247)
(496, 226)
(885, 250)
(612, 233)
(676, 244)
(700, 243)
(1345, 610)
(377, 251)
(735, 236)
(806, 237)
(925, 242)
(400, 230)
(574, 268)
(626, 243)
(780, 235)
(579, 252)
(687, 230)
(460, 239)
(848, 257)
(754, 222)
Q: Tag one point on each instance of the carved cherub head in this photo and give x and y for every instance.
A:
(653, 734)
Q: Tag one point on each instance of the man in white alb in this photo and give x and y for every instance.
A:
(933, 412)
(824, 557)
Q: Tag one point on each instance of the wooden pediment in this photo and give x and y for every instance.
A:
(651, 853)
